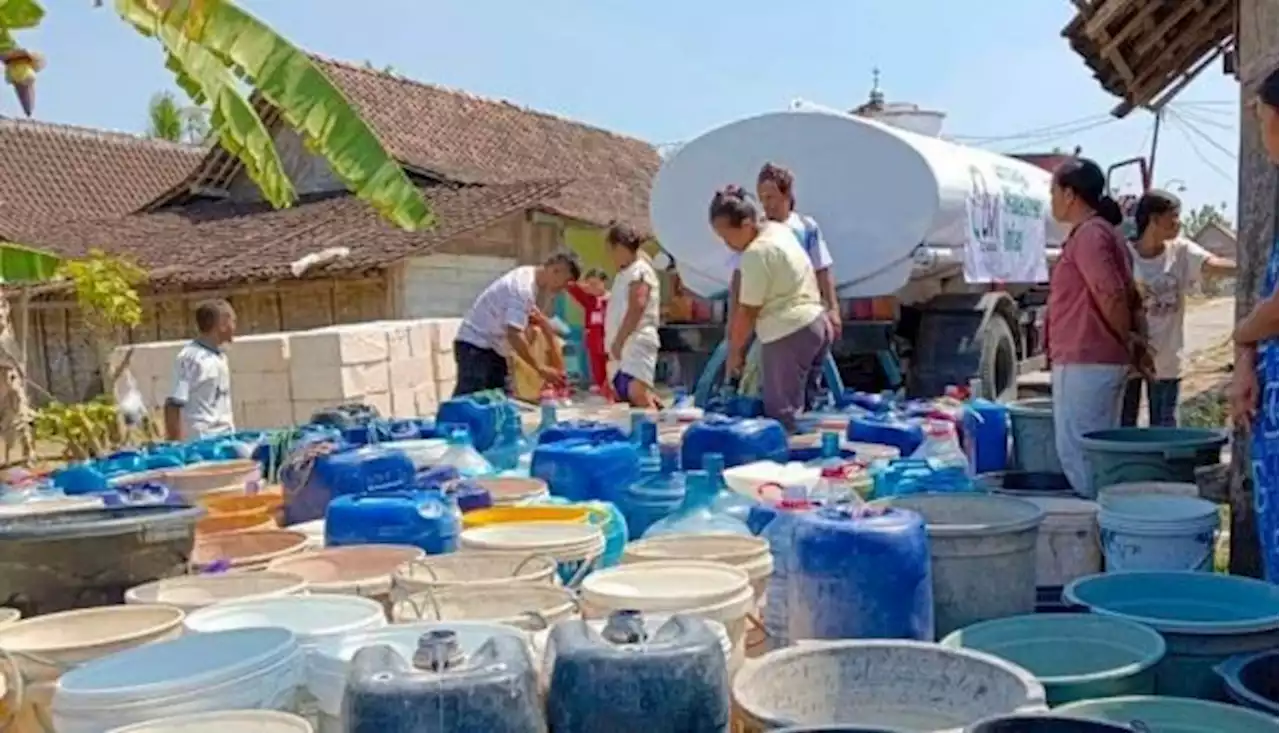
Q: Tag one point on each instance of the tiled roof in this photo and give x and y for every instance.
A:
(215, 243)
(55, 173)
(461, 137)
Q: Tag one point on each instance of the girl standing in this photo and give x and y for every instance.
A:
(1165, 267)
(591, 294)
(631, 320)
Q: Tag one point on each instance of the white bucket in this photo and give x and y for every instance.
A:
(1067, 546)
(46, 646)
(312, 617)
(193, 592)
(474, 569)
(1148, 488)
(331, 659)
(576, 547)
(358, 570)
(749, 554)
(1158, 532)
(240, 721)
(529, 606)
(248, 669)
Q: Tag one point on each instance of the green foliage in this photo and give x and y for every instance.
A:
(87, 430)
(104, 287)
(1194, 221)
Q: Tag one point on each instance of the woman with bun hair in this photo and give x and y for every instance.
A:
(777, 298)
(1096, 333)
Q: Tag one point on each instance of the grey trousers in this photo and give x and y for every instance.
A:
(786, 365)
(1086, 397)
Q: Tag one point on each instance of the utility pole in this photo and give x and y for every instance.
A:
(1256, 36)
(1155, 144)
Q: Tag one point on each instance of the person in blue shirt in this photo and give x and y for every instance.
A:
(1255, 388)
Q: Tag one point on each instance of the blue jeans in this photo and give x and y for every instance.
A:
(1162, 402)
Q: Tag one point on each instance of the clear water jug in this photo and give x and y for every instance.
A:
(697, 513)
(463, 456)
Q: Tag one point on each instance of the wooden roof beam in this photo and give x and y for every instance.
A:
(1104, 12)
(1140, 19)
(1161, 32)
(1215, 32)
(1190, 75)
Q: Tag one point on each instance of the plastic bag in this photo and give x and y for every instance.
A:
(129, 402)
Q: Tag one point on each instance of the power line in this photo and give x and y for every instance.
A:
(1033, 132)
(1198, 117)
(1182, 130)
(1200, 134)
(1049, 139)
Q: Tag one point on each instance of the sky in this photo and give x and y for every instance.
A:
(665, 70)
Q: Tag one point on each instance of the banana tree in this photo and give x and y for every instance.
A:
(211, 47)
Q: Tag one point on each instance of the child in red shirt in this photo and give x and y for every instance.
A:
(591, 292)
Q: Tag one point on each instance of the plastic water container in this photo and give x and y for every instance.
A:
(1159, 713)
(885, 429)
(441, 689)
(726, 502)
(464, 457)
(80, 478)
(655, 495)
(1250, 680)
(941, 446)
(697, 513)
(311, 484)
(331, 660)
(739, 440)
(859, 573)
(586, 470)
(593, 430)
(429, 520)
(506, 453)
(628, 679)
(1158, 533)
(258, 668)
(484, 416)
(776, 523)
(986, 426)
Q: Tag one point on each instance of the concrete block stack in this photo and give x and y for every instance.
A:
(261, 391)
(401, 368)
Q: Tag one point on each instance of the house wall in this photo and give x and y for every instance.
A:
(60, 356)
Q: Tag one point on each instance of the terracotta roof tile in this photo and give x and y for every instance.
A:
(209, 243)
(457, 136)
(54, 172)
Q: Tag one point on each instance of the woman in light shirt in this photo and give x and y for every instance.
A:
(778, 300)
(631, 319)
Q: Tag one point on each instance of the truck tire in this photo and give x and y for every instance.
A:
(998, 365)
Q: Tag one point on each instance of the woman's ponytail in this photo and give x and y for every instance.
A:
(1109, 210)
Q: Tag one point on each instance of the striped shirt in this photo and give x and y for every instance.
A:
(505, 303)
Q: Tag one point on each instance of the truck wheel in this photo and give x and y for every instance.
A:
(998, 366)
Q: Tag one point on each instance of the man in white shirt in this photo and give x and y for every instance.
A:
(495, 325)
(200, 404)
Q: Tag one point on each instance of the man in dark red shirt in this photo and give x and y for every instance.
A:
(592, 293)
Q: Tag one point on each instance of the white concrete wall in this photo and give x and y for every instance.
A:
(403, 368)
(445, 285)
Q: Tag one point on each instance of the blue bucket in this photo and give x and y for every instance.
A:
(1157, 532)
(1160, 714)
(1204, 618)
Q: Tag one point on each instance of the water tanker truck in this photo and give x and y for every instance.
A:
(941, 251)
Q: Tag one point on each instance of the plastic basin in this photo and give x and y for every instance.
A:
(1172, 715)
(1123, 455)
(1075, 656)
(362, 570)
(311, 618)
(248, 550)
(46, 646)
(1045, 723)
(1250, 680)
(476, 569)
(506, 514)
(193, 592)
(907, 685)
(1204, 618)
(196, 479)
(238, 512)
(87, 558)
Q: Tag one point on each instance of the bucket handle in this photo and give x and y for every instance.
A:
(1231, 666)
(1139, 726)
(431, 598)
(11, 673)
(525, 562)
(584, 570)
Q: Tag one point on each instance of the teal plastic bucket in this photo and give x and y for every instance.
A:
(1076, 656)
(1045, 723)
(1172, 715)
(1204, 618)
(1250, 680)
(1031, 425)
(1123, 455)
(1158, 533)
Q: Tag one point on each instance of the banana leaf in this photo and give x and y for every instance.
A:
(308, 101)
(16, 15)
(207, 80)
